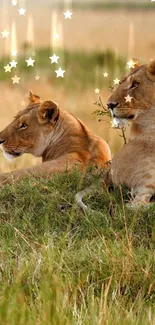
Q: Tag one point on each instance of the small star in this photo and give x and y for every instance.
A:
(60, 72)
(13, 64)
(22, 12)
(15, 80)
(116, 81)
(7, 68)
(54, 58)
(68, 14)
(23, 103)
(37, 77)
(97, 91)
(128, 99)
(131, 64)
(14, 53)
(105, 74)
(14, 2)
(5, 34)
(30, 62)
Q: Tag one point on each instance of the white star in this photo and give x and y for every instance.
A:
(68, 14)
(37, 77)
(54, 58)
(13, 64)
(30, 62)
(5, 34)
(60, 72)
(14, 53)
(152, 0)
(116, 81)
(23, 103)
(128, 99)
(105, 74)
(14, 2)
(97, 91)
(131, 64)
(7, 68)
(15, 80)
(22, 12)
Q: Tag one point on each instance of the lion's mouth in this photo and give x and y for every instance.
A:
(10, 154)
(124, 117)
(130, 117)
(13, 153)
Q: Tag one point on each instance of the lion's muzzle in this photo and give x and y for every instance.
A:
(1, 141)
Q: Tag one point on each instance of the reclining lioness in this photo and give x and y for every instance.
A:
(134, 164)
(46, 131)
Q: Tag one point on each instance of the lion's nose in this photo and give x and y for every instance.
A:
(2, 141)
(112, 105)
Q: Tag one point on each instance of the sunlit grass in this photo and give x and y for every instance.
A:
(143, 5)
(59, 266)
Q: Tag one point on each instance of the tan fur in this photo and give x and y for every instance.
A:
(134, 164)
(46, 131)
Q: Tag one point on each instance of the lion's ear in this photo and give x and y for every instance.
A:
(33, 98)
(151, 70)
(48, 112)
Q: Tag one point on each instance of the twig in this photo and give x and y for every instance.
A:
(123, 135)
(105, 111)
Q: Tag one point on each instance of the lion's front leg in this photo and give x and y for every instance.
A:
(142, 197)
(3, 179)
(46, 169)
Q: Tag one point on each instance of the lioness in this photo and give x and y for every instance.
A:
(46, 131)
(134, 164)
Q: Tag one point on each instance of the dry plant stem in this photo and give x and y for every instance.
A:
(101, 104)
(123, 135)
(106, 112)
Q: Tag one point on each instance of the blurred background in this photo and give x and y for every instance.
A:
(100, 37)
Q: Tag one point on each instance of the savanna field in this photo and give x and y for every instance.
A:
(58, 265)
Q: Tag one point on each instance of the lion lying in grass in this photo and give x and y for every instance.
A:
(134, 165)
(46, 131)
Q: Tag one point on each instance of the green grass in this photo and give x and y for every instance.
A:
(119, 4)
(62, 267)
(116, 5)
(82, 69)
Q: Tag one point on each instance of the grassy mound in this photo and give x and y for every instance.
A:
(62, 267)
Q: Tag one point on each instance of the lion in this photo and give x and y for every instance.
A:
(62, 140)
(133, 101)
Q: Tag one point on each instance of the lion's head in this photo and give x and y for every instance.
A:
(28, 133)
(135, 93)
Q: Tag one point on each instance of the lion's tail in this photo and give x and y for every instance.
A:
(106, 181)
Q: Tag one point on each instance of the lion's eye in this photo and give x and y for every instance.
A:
(23, 126)
(134, 85)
